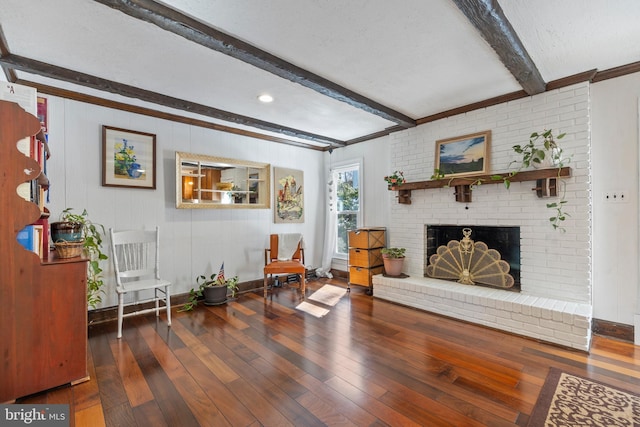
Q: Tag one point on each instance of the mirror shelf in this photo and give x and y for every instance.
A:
(212, 182)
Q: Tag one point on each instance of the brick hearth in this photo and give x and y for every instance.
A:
(561, 322)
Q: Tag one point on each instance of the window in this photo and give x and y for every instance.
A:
(348, 205)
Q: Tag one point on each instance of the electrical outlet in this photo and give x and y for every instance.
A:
(623, 196)
(619, 196)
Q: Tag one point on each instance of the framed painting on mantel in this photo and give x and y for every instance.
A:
(128, 158)
(463, 155)
(289, 195)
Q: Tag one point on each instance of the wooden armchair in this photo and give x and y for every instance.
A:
(276, 265)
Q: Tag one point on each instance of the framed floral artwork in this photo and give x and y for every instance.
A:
(463, 155)
(128, 158)
(289, 195)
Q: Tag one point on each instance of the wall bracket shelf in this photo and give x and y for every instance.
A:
(546, 183)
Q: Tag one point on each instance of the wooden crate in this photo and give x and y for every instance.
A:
(365, 257)
(367, 238)
(362, 276)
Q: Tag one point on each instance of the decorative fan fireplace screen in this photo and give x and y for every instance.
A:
(469, 263)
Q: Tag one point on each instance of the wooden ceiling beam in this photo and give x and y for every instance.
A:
(198, 32)
(489, 19)
(58, 73)
(4, 50)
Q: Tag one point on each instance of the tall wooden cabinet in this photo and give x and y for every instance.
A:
(43, 303)
(365, 257)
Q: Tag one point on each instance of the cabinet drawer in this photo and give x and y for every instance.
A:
(366, 238)
(365, 257)
(362, 276)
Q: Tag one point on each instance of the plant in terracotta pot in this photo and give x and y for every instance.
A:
(213, 289)
(396, 179)
(393, 259)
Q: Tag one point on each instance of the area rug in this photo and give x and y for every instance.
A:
(571, 400)
(328, 295)
(312, 309)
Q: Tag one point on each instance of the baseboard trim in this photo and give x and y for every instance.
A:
(110, 314)
(613, 330)
(340, 274)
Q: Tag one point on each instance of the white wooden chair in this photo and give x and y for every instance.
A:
(135, 256)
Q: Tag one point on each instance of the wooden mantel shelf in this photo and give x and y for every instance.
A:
(545, 183)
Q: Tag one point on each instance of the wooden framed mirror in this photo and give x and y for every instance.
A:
(210, 182)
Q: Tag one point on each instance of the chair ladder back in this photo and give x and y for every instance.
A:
(273, 247)
(134, 254)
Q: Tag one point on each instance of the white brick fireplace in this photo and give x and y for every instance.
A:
(554, 303)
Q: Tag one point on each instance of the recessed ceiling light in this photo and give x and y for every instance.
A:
(266, 98)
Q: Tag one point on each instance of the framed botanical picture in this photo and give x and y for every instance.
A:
(128, 158)
(463, 155)
(289, 195)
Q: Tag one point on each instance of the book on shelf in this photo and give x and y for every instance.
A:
(38, 237)
(46, 237)
(34, 238)
(28, 238)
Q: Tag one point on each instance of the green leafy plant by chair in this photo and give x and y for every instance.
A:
(214, 280)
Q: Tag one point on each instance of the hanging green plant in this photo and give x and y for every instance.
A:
(472, 182)
(544, 151)
(538, 153)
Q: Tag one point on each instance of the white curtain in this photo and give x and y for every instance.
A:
(329, 231)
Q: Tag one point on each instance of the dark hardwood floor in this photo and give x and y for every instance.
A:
(366, 363)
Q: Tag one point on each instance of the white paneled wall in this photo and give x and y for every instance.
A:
(193, 241)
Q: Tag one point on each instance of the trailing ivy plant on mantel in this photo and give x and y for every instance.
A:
(536, 153)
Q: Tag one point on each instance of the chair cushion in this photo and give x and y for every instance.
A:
(284, 267)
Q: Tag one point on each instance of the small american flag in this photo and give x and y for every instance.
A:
(220, 277)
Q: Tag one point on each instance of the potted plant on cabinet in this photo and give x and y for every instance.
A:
(77, 228)
(393, 259)
(213, 288)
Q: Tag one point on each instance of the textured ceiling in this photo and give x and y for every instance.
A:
(410, 59)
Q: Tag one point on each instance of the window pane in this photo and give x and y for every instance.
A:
(347, 206)
(346, 222)
(348, 191)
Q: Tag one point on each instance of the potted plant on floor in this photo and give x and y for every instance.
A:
(213, 289)
(393, 259)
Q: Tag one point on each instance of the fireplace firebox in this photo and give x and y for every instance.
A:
(504, 239)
